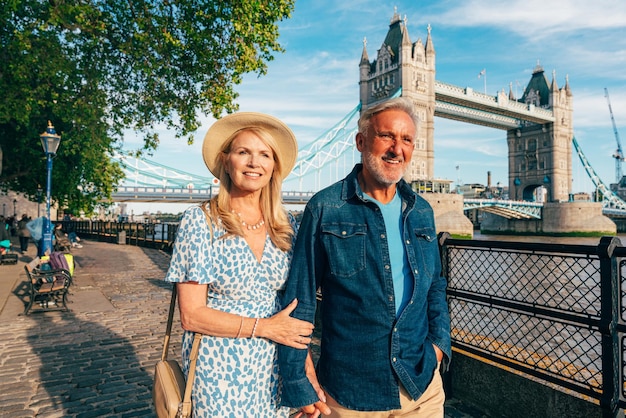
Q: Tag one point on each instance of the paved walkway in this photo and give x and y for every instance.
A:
(98, 359)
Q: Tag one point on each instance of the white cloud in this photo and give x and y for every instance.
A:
(537, 18)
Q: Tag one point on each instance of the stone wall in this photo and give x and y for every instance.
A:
(449, 217)
(510, 394)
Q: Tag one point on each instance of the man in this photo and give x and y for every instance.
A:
(369, 244)
(23, 233)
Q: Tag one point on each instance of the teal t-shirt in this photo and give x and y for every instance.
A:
(400, 271)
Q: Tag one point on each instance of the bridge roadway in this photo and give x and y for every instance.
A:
(510, 209)
(187, 195)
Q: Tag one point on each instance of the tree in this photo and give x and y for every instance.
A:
(101, 68)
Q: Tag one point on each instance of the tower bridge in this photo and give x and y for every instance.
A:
(538, 126)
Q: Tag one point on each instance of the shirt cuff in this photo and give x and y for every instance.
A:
(298, 393)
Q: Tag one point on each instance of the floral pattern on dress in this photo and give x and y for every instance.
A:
(235, 377)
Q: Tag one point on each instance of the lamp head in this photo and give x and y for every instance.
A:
(50, 140)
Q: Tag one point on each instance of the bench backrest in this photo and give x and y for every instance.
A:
(30, 267)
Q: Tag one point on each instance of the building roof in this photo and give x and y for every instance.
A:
(394, 37)
(538, 84)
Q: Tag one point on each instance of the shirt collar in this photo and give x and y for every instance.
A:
(351, 188)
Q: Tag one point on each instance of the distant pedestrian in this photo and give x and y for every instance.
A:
(23, 233)
(5, 236)
(36, 233)
(70, 230)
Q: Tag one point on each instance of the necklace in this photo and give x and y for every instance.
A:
(246, 225)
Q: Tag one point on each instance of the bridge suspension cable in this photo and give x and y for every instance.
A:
(609, 198)
(143, 172)
(329, 148)
(619, 154)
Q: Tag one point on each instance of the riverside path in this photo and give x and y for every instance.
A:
(97, 360)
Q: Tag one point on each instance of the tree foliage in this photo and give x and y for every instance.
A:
(101, 68)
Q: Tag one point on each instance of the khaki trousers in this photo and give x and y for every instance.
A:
(429, 405)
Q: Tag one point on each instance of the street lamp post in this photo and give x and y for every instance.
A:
(50, 143)
(14, 208)
(39, 191)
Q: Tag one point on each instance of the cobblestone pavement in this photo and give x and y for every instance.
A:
(98, 359)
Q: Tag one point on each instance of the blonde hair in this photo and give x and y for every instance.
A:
(274, 214)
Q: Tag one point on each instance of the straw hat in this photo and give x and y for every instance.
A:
(225, 127)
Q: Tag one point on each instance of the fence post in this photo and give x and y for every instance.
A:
(443, 253)
(609, 315)
(442, 237)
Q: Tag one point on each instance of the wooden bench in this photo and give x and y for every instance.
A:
(47, 288)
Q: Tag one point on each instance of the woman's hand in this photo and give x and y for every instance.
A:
(284, 329)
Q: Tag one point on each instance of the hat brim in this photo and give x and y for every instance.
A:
(225, 127)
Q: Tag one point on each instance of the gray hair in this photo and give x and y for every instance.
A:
(403, 104)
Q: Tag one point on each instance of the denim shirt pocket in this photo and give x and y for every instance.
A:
(426, 239)
(345, 247)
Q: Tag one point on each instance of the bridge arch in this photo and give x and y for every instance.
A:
(533, 193)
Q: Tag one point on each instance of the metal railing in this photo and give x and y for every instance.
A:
(552, 311)
(152, 235)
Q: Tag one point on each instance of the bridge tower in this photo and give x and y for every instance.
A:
(540, 154)
(409, 67)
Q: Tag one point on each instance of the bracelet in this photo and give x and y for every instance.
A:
(240, 328)
(256, 322)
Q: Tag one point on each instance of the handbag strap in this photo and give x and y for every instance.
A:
(185, 406)
(168, 329)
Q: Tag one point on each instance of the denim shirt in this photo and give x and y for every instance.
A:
(365, 351)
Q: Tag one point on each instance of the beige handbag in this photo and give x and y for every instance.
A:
(170, 393)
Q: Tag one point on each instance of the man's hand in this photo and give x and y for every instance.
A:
(315, 410)
(438, 352)
(319, 407)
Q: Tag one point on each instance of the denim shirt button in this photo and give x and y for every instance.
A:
(382, 236)
(394, 359)
(395, 329)
(343, 232)
(387, 267)
(408, 242)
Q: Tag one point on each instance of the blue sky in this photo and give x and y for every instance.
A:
(314, 83)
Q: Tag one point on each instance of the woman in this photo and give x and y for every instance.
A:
(230, 260)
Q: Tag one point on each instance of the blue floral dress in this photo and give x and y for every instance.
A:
(235, 377)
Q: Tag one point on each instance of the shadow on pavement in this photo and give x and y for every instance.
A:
(85, 368)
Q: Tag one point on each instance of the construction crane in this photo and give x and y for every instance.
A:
(618, 155)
